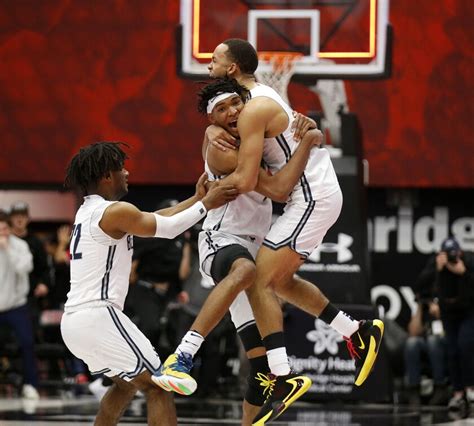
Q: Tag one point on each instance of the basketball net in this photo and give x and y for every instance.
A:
(281, 70)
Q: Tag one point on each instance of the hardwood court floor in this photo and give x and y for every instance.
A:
(69, 410)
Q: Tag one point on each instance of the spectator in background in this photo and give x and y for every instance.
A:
(57, 254)
(15, 263)
(39, 280)
(426, 338)
(449, 277)
(57, 258)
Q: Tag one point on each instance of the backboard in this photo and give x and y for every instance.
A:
(338, 39)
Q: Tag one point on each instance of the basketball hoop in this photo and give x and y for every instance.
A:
(279, 71)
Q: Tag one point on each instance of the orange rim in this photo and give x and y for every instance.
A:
(280, 60)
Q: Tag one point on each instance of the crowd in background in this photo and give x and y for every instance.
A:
(166, 292)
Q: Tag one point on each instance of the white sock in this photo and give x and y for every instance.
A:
(190, 343)
(344, 324)
(278, 361)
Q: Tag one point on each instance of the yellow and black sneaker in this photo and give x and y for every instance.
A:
(281, 392)
(364, 346)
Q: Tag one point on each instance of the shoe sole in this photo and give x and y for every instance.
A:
(372, 353)
(306, 385)
(172, 384)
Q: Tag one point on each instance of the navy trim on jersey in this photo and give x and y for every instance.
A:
(284, 146)
(104, 291)
(218, 224)
(308, 196)
(103, 371)
(210, 244)
(291, 240)
(141, 360)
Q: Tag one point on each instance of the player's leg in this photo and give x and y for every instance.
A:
(161, 409)
(291, 239)
(363, 337)
(258, 382)
(274, 266)
(118, 349)
(114, 402)
(240, 276)
(233, 268)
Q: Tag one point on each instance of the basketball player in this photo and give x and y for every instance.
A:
(228, 245)
(93, 326)
(313, 207)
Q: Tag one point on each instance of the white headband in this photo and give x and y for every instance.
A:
(222, 96)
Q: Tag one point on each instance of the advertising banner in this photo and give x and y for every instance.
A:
(318, 351)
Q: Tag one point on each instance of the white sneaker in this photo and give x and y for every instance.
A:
(29, 392)
(470, 395)
(29, 405)
(98, 389)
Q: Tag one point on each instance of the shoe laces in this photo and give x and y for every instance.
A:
(266, 382)
(184, 362)
(351, 348)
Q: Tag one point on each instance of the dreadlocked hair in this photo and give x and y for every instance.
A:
(216, 87)
(92, 163)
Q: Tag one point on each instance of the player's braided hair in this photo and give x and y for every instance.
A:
(216, 87)
(92, 163)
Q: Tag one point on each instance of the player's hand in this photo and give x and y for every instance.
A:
(64, 234)
(314, 137)
(301, 124)
(441, 260)
(219, 195)
(220, 138)
(458, 268)
(201, 186)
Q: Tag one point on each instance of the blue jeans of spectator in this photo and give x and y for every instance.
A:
(19, 319)
(460, 346)
(434, 346)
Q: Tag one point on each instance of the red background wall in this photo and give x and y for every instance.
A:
(74, 72)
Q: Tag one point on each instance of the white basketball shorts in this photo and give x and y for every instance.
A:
(303, 225)
(108, 342)
(210, 242)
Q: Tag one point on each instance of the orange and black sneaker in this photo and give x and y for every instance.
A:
(364, 346)
(281, 392)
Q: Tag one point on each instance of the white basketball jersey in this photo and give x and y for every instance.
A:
(100, 265)
(249, 215)
(319, 178)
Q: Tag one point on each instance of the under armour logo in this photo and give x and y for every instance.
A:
(344, 241)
